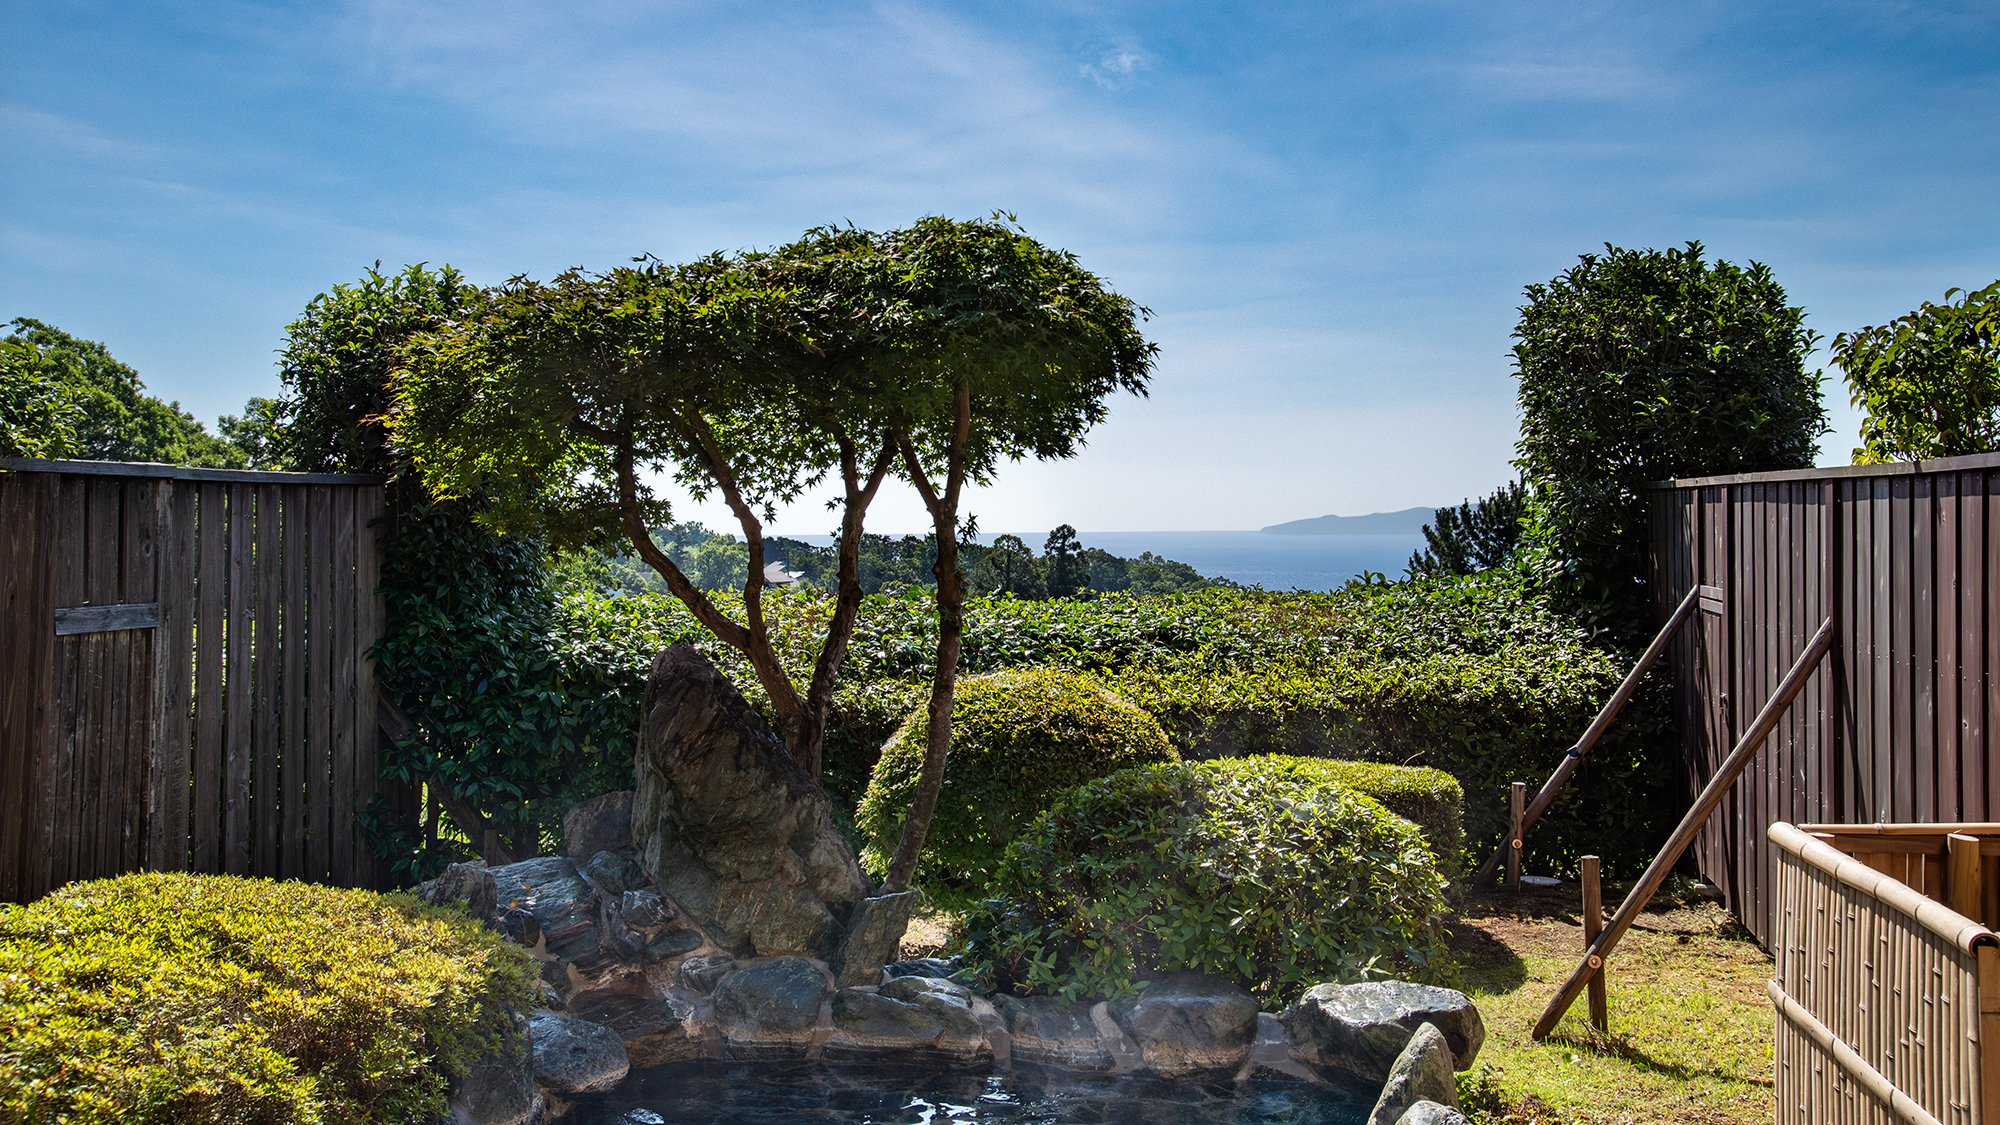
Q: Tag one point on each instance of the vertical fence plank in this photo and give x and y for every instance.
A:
(1922, 649)
(319, 683)
(139, 582)
(370, 614)
(346, 829)
(211, 590)
(1974, 598)
(106, 655)
(167, 812)
(27, 503)
(292, 733)
(267, 582)
(1951, 802)
(237, 685)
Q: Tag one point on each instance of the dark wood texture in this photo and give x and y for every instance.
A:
(186, 685)
(1895, 728)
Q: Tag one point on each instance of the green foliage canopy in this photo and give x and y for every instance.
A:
(1640, 365)
(1928, 384)
(1471, 538)
(69, 397)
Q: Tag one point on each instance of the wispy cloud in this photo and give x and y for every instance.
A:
(1115, 68)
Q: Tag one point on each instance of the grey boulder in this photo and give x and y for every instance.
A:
(614, 873)
(1054, 1032)
(768, 1012)
(654, 1029)
(1190, 1024)
(499, 1089)
(601, 824)
(1428, 1112)
(730, 827)
(1361, 1028)
(910, 1020)
(574, 1056)
(702, 974)
(1422, 1073)
(469, 883)
(873, 936)
(549, 888)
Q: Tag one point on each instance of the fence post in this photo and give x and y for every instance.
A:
(1963, 881)
(1514, 837)
(1593, 924)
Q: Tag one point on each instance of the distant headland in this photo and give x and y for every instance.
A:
(1409, 521)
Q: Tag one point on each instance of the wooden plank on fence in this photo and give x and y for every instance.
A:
(139, 583)
(292, 733)
(211, 592)
(267, 579)
(345, 828)
(108, 655)
(1951, 792)
(1922, 649)
(370, 615)
(237, 685)
(168, 773)
(27, 598)
(319, 683)
(59, 817)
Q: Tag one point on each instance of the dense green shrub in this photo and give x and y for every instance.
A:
(1249, 869)
(1474, 676)
(198, 998)
(1018, 739)
(1430, 799)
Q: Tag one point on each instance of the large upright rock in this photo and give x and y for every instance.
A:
(729, 826)
(1422, 1073)
(1361, 1028)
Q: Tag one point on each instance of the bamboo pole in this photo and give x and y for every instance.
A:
(1605, 717)
(1593, 924)
(1704, 805)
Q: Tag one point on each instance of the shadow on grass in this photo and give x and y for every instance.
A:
(1485, 961)
(1621, 1047)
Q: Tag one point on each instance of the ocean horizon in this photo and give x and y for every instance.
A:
(1260, 558)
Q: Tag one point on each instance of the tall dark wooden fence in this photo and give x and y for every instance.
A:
(185, 686)
(1896, 726)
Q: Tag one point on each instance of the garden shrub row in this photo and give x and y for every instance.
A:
(178, 999)
(1471, 676)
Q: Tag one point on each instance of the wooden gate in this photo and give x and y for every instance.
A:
(185, 685)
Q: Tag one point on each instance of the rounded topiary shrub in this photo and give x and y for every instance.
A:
(1245, 868)
(1018, 739)
(1431, 799)
(206, 998)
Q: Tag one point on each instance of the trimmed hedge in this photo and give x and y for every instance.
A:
(1250, 869)
(177, 998)
(1018, 739)
(1473, 676)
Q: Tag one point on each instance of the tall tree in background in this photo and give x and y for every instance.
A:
(107, 413)
(1640, 365)
(1062, 556)
(1008, 567)
(1473, 537)
(1928, 384)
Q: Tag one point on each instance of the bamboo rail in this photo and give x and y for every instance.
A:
(1605, 717)
(1711, 796)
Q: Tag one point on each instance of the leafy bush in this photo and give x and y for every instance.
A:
(198, 998)
(1928, 382)
(1017, 739)
(1249, 869)
(1430, 799)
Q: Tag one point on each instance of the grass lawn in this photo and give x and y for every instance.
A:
(1690, 1026)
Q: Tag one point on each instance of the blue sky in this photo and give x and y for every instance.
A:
(1331, 208)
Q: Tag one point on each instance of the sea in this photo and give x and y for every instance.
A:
(1275, 562)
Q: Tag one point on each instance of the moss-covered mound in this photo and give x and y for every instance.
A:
(1018, 739)
(192, 998)
(1430, 799)
(1251, 869)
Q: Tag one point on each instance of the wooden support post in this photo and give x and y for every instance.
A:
(1963, 877)
(1520, 806)
(1711, 795)
(1593, 924)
